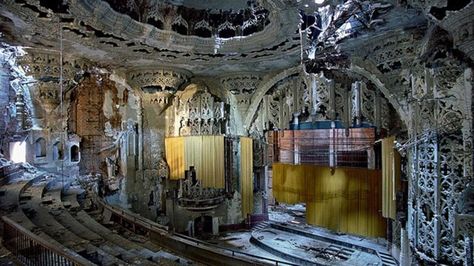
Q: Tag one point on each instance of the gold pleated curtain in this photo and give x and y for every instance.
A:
(246, 175)
(192, 156)
(390, 177)
(210, 164)
(205, 153)
(289, 183)
(347, 200)
(174, 151)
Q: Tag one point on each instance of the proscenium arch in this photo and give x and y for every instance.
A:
(355, 68)
(263, 89)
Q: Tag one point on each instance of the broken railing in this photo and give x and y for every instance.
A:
(31, 249)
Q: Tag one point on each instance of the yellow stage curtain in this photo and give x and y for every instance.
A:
(246, 175)
(174, 149)
(206, 154)
(390, 177)
(193, 152)
(289, 183)
(346, 200)
(212, 162)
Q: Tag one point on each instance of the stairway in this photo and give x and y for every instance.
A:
(387, 259)
(261, 226)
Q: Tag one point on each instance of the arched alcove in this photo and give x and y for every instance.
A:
(40, 148)
(58, 151)
(74, 153)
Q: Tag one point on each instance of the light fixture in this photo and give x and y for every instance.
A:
(319, 1)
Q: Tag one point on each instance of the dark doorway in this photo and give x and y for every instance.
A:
(57, 151)
(74, 153)
(203, 225)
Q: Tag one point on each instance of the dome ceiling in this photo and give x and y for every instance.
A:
(258, 36)
(204, 37)
(205, 22)
(212, 4)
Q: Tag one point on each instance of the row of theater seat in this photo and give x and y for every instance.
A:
(47, 205)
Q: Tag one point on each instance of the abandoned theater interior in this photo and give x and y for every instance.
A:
(236, 132)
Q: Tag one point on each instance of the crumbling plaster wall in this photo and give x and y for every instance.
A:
(105, 115)
(15, 106)
(7, 98)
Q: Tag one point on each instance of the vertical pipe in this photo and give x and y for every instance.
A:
(62, 139)
(296, 148)
(140, 136)
(332, 146)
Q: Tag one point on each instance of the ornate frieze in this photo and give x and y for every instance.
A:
(252, 17)
(150, 80)
(200, 114)
(46, 65)
(243, 88)
(49, 75)
(48, 94)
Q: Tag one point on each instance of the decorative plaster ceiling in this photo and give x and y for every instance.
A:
(211, 4)
(95, 31)
(167, 34)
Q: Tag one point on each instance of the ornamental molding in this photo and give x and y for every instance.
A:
(155, 80)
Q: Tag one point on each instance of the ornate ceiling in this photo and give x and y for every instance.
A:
(124, 36)
(213, 37)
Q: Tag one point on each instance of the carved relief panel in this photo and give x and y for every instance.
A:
(243, 88)
(200, 114)
(442, 157)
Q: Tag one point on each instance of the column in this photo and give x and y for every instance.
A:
(356, 103)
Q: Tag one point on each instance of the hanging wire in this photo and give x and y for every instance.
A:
(62, 140)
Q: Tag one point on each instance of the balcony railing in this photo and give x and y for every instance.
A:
(31, 249)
